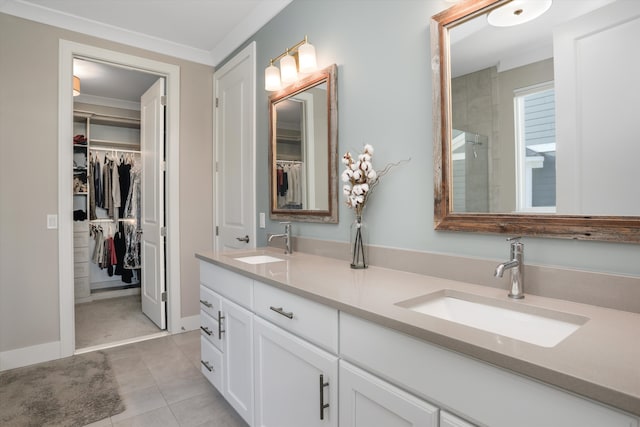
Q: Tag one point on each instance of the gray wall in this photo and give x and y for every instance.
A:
(382, 50)
(29, 306)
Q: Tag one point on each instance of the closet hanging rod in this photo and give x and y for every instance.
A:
(289, 162)
(111, 220)
(116, 150)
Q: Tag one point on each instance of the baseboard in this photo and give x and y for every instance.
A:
(29, 355)
(190, 323)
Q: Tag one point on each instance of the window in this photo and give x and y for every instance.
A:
(535, 127)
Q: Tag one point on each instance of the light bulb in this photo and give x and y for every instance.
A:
(272, 78)
(288, 71)
(307, 58)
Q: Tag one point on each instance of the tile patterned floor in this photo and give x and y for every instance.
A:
(161, 385)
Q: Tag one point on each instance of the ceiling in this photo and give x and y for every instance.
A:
(203, 31)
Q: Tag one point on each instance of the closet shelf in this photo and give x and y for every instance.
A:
(104, 119)
(104, 143)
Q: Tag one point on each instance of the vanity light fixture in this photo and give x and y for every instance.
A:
(299, 58)
(518, 12)
(76, 86)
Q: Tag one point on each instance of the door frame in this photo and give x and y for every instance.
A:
(246, 54)
(171, 72)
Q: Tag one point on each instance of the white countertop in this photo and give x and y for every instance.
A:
(601, 360)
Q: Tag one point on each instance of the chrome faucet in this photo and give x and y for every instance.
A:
(516, 265)
(286, 236)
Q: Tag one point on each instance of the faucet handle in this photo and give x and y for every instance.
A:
(514, 239)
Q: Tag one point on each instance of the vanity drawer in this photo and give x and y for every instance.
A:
(210, 302)
(315, 322)
(233, 286)
(211, 363)
(209, 329)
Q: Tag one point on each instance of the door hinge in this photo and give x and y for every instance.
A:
(217, 231)
(163, 231)
(216, 166)
(217, 102)
(163, 100)
(164, 297)
(163, 166)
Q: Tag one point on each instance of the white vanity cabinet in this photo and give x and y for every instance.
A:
(296, 382)
(368, 401)
(478, 391)
(227, 336)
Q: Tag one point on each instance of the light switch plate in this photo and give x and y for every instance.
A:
(262, 220)
(52, 221)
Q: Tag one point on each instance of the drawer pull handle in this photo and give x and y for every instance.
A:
(207, 365)
(323, 405)
(206, 303)
(220, 319)
(279, 310)
(206, 330)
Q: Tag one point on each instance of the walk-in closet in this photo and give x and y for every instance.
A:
(108, 193)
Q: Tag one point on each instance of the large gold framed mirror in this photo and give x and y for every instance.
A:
(303, 135)
(534, 130)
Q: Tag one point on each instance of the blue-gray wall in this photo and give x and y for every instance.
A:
(382, 50)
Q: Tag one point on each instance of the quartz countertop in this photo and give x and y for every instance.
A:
(600, 361)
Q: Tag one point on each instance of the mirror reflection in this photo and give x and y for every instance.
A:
(541, 116)
(303, 150)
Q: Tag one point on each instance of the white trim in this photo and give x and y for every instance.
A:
(171, 72)
(190, 323)
(108, 102)
(122, 342)
(29, 355)
(248, 52)
(262, 14)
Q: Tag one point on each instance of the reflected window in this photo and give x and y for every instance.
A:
(535, 128)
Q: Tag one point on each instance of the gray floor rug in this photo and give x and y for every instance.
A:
(73, 391)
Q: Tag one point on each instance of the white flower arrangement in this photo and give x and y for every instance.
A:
(360, 178)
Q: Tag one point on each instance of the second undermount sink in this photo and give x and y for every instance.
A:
(539, 326)
(258, 259)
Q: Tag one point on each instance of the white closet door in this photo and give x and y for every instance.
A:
(152, 212)
(235, 152)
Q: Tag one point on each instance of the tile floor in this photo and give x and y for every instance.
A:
(161, 385)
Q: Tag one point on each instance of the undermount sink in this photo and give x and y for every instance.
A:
(258, 259)
(539, 326)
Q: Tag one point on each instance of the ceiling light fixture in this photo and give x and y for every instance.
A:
(299, 58)
(76, 86)
(518, 12)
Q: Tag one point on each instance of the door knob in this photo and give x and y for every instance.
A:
(243, 239)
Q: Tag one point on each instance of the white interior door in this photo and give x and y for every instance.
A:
(152, 206)
(235, 152)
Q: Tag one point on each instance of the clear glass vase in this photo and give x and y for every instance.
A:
(359, 241)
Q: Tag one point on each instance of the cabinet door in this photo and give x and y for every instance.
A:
(367, 401)
(296, 382)
(237, 326)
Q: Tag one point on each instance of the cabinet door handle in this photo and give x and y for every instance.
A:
(207, 365)
(323, 405)
(243, 239)
(220, 319)
(206, 303)
(206, 330)
(279, 310)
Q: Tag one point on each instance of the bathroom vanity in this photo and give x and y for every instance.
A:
(293, 340)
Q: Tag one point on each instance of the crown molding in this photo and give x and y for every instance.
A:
(252, 23)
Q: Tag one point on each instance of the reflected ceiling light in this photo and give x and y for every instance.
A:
(299, 58)
(76, 86)
(518, 12)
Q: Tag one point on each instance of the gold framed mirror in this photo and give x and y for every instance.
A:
(485, 171)
(303, 149)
